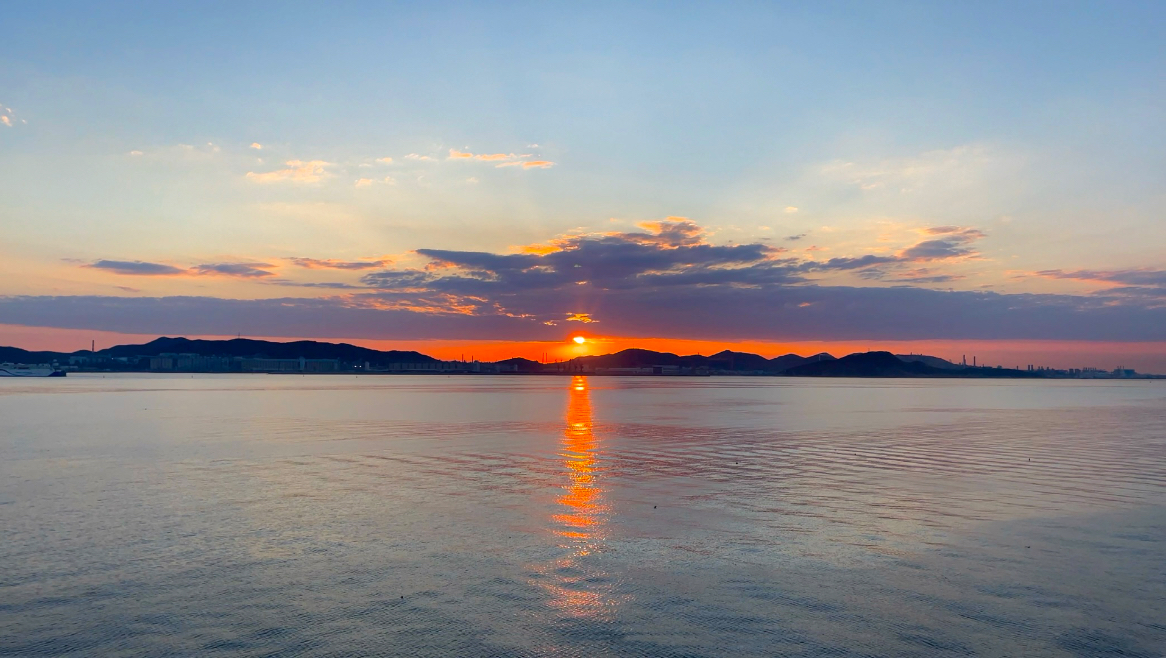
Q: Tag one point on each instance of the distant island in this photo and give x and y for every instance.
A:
(315, 357)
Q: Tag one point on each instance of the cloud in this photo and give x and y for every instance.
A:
(414, 156)
(528, 164)
(329, 264)
(774, 313)
(922, 275)
(136, 268)
(954, 244)
(502, 159)
(791, 209)
(1143, 285)
(240, 270)
(957, 167)
(385, 160)
(257, 146)
(298, 171)
(585, 318)
(665, 279)
(135, 153)
(4, 119)
(1133, 277)
(363, 182)
(794, 238)
(331, 285)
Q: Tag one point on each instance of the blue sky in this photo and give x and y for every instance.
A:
(162, 134)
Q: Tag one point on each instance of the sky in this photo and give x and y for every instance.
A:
(983, 178)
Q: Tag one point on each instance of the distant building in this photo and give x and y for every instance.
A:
(434, 367)
(190, 363)
(289, 365)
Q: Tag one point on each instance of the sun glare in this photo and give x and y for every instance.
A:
(579, 339)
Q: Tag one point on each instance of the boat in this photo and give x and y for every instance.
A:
(24, 370)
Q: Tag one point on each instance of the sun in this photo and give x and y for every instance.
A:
(579, 339)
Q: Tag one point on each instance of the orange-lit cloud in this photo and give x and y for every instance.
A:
(297, 171)
(528, 164)
(503, 159)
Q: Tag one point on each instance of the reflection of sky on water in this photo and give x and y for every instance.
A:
(477, 516)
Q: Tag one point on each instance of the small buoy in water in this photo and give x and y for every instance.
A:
(653, 507)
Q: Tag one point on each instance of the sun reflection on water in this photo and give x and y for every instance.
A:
(577, 584)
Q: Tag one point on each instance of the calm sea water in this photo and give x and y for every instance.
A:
(556, 516)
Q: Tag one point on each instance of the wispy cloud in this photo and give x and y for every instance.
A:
(326, 285)
(257, 146)
(957, 167)
(954, 243)
(144, 268)
(640, 283)
(1140, 283)
(136, 268)
(528, 164)
(329, 264)
(8, 117)
(297, 171)
(501, 159)
(239, 270)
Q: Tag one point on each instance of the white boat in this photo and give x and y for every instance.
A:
(24, 370)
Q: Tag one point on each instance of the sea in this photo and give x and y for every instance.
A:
(340, 515)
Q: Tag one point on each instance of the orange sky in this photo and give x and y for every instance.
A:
(1144, 356)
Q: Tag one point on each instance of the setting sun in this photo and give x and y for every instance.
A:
(579, 339)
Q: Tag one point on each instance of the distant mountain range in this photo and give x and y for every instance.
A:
(721, 361)
(885, 364)
(867, 364)
(241, 347)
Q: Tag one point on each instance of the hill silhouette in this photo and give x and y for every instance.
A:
(235, 347)
(866, 364)
(885, 364)
(724, 361)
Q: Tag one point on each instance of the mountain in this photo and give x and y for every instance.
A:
(729, 360)
(630, 358)
(240, 347)
(868, 364)
(309, 349)
(17, 355)
(783, 363)
(885, 364)
(724, 361)
(865, 364)
(933, 361)
(521, 365)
